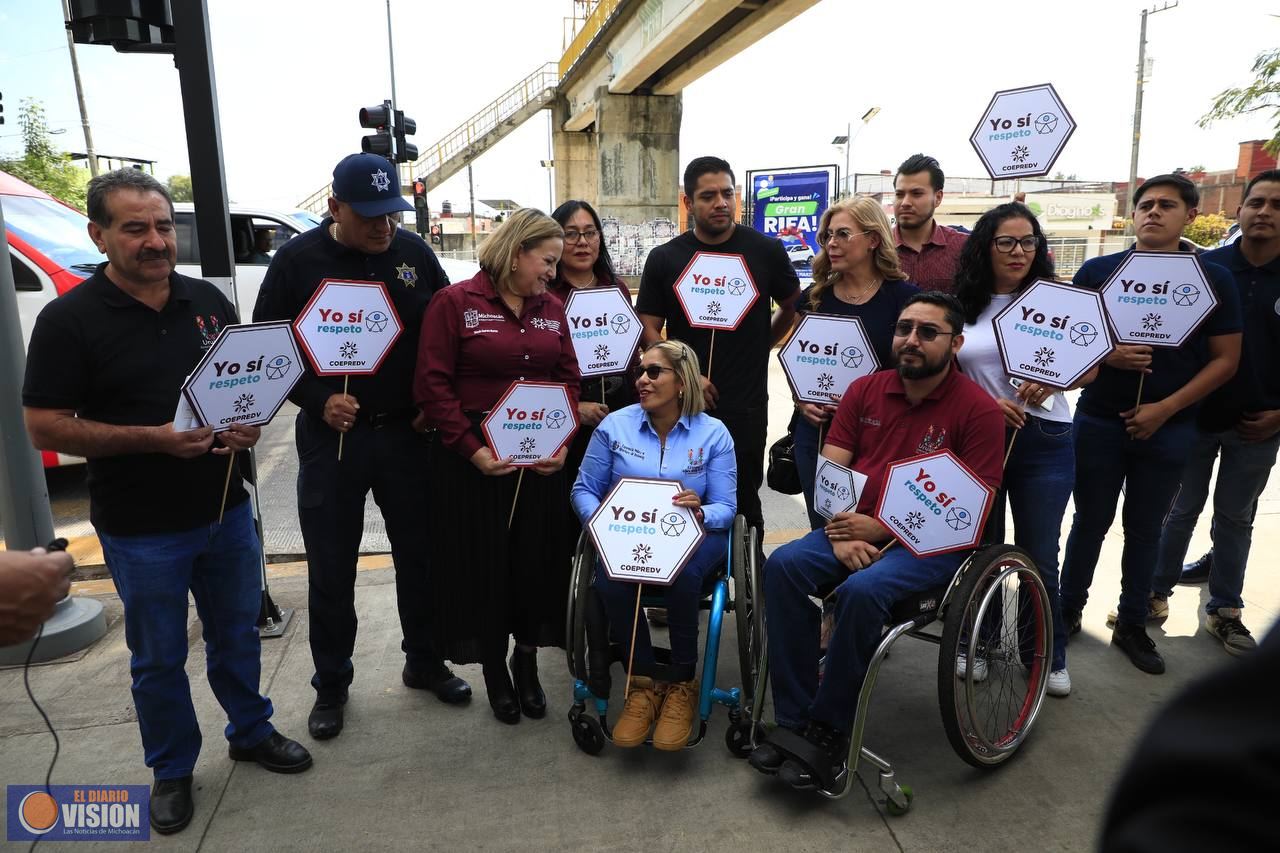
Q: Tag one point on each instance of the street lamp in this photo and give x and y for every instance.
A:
(846, 141)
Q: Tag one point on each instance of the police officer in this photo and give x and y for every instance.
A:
(383, 449)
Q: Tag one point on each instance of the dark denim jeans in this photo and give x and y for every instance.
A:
(219, 564)
(793, 573)
(1243, 470)
(1107, 459)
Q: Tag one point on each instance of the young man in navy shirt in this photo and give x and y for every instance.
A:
(1142, 448)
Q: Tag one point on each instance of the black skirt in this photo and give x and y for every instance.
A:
(488, 582)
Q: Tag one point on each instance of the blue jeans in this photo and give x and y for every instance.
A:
(806, 453)
(219, 564)
(1038, 480)
(796, 571)
(1242, 475)
(681, 599)
(1106, 459)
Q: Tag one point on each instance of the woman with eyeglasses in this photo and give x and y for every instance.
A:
(667, 436)
(855, 274)
(1005, 253)
(498, 567)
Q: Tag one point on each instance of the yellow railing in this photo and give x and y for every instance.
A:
(590, 29)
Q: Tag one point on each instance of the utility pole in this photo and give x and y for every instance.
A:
(471, 188)
(1137, 106)
(84, 111)
(391, 58)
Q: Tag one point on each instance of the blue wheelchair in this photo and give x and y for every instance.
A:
(993, 667)
(590, 651)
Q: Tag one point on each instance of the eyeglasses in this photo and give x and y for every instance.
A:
(842, 235)
(1006, 244)
(589, 235)
(904, 328)
(653, 371)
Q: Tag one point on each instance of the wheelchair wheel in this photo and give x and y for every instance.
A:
(999, 620)
(587, 734)
(737, 737)
(575, 631)
(746, 602)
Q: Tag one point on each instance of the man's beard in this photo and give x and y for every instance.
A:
(924, 370)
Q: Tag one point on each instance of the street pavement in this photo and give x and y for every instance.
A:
(411, 773)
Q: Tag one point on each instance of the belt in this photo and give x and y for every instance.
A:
(377, 420)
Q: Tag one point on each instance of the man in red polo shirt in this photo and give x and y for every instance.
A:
(927, 251)
(923, 406)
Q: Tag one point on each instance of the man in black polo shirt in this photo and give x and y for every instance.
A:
(739, 393)
(104, 371)
(383, 450)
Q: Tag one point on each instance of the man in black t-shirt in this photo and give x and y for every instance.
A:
(104, 371)
(737, 390)
(384, 450)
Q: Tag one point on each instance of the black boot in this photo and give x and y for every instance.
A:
(502, 695)
(524, 672)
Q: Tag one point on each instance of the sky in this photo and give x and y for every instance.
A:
(292, 74)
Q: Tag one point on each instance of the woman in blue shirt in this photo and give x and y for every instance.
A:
(856, 274)
(667, 436)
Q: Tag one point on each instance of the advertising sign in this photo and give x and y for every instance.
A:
(604, 330)
(824, 354)
(1022, 132)
(1052, 333)
(531, 421)
(640, 535)
(716, 291)
(348, 327)
(1157, 298)
(788, 204)
(934, 504)
(836, 488)
(244, 377)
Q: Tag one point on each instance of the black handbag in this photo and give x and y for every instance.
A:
(782, 475)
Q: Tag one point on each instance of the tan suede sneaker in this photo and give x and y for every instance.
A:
(638, 714)
(675, 724)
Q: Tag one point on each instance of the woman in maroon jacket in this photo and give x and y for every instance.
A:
(494, 582)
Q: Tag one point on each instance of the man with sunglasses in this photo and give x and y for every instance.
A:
(738, 393)
(925, 405)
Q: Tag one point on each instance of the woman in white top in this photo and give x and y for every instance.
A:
(1005, 253)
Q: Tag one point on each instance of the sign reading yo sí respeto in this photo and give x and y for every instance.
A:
(245, 376)
(824, 354)
(1157, 298)
(604, 330)
(1052, 333)
(640, 535)
(716, 291)
(1022, 132)
(531, 421)
(934, 504)
(348, 327)
(836, 488)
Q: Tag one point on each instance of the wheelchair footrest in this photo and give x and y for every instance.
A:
(818, 763)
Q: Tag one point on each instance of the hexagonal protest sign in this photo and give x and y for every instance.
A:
(1053, 333)
(640, 536)
(348, 327)
(604, 330)
(836, 488)
(824, 354)
(531, 421)
(1157, 298)
(1022, 132)
(934, 504)
(245, 376)
(716, 291)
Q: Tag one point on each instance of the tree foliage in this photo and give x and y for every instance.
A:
(1207, 229)
(43, 166)
(180, 187)
(1261, 95)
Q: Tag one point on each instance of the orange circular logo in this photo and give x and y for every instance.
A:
(38, 812)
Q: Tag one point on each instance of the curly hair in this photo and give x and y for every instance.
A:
(869, 217)
(975, 275)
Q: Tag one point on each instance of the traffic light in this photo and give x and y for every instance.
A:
(391, 129)
(423, 214)
(435, 234)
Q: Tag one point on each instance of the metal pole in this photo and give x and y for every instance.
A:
(1137, 119)
(471, 189)
(391, 58)
(84, 111)
(551, 195)
(848, 143)
(24, 495)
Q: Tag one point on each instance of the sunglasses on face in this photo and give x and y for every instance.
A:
(840, 235)
(904, 328)
(653, 371)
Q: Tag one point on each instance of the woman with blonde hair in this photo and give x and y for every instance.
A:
(855, 274)
(669, 436)
(496, 578)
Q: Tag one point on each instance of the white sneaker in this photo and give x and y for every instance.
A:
(979, 668)
(1059, 683)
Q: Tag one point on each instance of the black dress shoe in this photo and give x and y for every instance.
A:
(171, 806)
(448, 687)
(1134, 642)
(524, 672)
(325, 719)
(276, 753)
(502, 695)
(1197, 572)
(766, 758)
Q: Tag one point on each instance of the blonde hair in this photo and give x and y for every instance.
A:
(524, 230)
(868, 216)
(684, 361)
